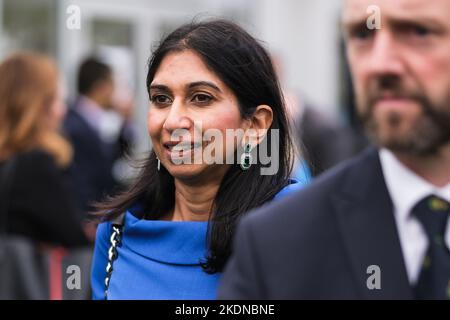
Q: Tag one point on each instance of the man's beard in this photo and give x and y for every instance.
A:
(425, 137)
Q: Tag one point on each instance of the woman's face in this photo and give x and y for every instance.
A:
(187, 99)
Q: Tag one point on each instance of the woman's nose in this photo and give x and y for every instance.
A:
(177, 118)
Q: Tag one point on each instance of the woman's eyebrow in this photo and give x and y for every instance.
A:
(192, 85)
(160, 87)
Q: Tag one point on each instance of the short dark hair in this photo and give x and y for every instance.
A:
(91, 72)
(246, 68)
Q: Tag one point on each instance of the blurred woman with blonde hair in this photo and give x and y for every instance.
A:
(38, 203)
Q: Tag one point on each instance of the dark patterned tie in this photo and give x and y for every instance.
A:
(434, 278)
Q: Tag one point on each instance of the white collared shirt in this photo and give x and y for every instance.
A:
(107, 123)
(406, 189)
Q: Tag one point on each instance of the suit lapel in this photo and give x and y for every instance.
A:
(365, 218)
(90, 135)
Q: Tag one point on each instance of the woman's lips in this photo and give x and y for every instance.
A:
(180, 149)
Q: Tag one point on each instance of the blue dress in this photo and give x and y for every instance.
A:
(157, 260)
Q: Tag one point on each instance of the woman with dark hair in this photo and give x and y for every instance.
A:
(169, 236)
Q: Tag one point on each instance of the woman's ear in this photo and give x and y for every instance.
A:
(260, 122)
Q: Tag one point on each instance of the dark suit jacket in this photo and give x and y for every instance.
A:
(92, 169)
(325, 141)
(319, 243)
(39, 203)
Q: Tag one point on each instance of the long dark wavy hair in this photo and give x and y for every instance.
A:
(246, 68)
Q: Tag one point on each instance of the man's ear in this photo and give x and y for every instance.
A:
(260, 122)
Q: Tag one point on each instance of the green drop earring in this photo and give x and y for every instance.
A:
(246, 157)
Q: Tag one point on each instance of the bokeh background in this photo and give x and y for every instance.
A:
(303, 35)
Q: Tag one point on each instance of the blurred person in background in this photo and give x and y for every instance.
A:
(302, 166)
(39, 205)
(175, 236)
(327, 142)
(376, 227)
(99, 133)
(322, 140)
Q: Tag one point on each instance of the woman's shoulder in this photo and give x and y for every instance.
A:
(103, 230)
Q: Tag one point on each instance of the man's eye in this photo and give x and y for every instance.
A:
(420, 31)
(202, 98)
(361, 33)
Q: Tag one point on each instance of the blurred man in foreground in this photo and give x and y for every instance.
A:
(377, 226)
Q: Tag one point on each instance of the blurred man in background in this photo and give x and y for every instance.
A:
(322, 140)
(326, 141)
(377, 227)
(98, 132)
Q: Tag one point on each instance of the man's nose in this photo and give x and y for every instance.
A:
(385, 56)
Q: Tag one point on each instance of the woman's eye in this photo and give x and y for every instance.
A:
(202, 98)
(160, 99)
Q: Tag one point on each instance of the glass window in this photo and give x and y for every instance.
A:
(30, 25)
